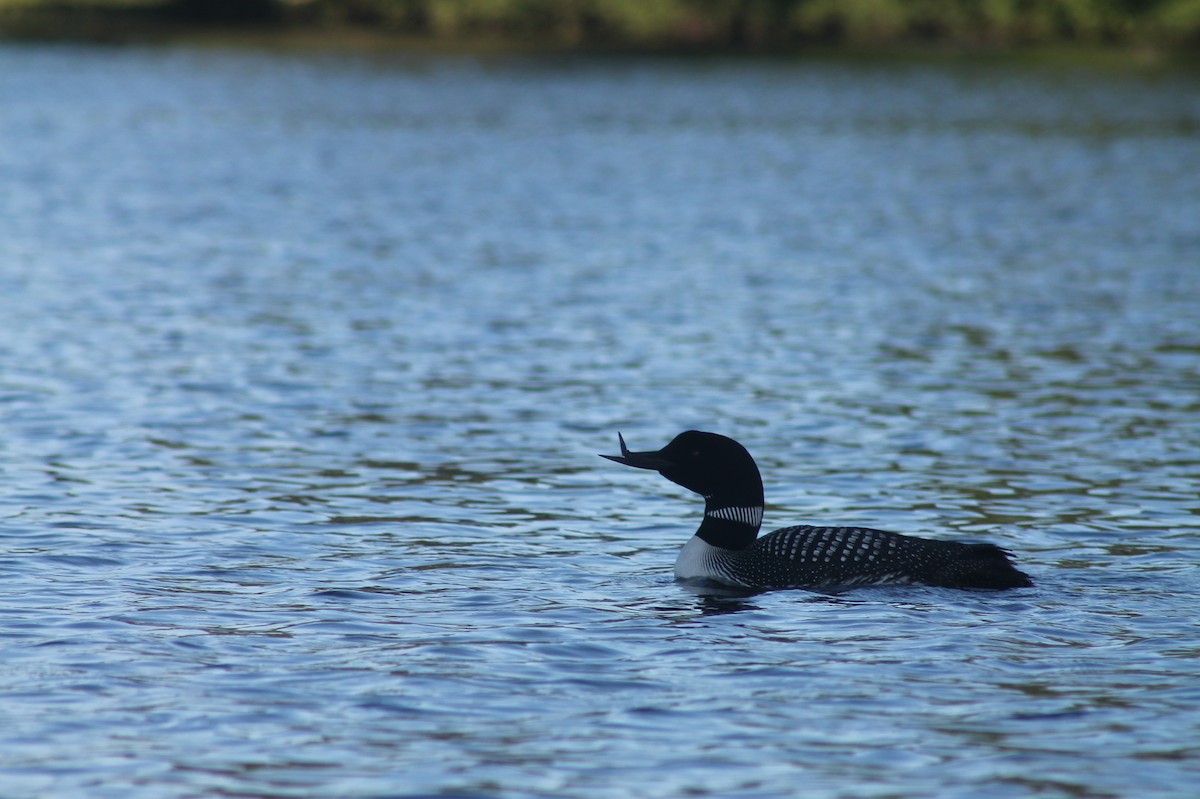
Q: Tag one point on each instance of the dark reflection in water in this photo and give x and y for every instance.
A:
(305, 360)
(715, 600)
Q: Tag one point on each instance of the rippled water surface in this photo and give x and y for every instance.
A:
(306, 361)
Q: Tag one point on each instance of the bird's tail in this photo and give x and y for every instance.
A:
(983, 566)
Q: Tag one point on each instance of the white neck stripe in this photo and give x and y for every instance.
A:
(746, 515)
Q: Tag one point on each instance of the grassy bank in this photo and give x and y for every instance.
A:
(750, 25)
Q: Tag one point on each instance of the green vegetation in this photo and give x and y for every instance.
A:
(650, 24)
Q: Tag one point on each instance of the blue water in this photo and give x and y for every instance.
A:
(306, 360)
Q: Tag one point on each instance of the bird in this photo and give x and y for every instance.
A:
(727, 549)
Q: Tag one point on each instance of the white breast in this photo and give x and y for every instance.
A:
(695, 561)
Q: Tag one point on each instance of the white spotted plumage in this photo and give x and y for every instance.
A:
(817, 557)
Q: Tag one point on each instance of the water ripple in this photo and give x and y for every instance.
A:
(308, 359)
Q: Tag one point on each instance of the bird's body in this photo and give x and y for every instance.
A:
(726, 549)
(846, 557)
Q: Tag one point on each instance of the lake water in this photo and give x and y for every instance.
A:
(306, 360)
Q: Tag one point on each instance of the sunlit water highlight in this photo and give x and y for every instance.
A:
(306, 360)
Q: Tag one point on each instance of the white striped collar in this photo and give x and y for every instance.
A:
(751, 515)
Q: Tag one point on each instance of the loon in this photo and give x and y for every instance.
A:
(727, 550)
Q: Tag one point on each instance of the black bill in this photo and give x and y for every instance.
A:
(639, 460)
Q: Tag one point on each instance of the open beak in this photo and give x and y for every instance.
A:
(639, 460)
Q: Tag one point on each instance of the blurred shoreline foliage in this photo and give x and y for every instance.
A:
(729, 25)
